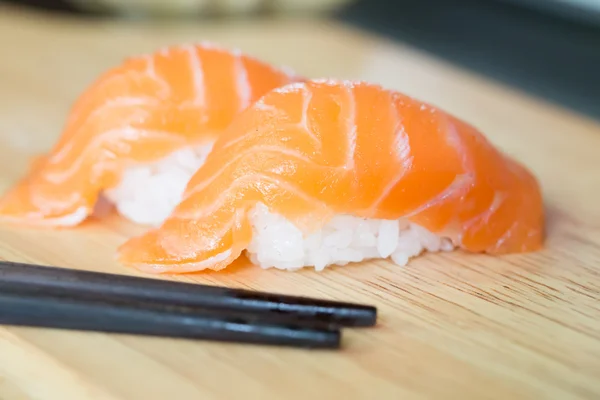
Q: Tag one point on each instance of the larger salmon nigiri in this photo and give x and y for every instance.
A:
(328, 172)
(138, 134)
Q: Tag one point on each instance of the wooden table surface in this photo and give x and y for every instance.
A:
(451, 326)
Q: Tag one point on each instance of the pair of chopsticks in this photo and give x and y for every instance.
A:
(49, 297)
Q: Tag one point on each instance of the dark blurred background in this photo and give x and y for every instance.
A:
(550, 48)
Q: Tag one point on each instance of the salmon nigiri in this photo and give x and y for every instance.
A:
(326, 172)
(138, 134)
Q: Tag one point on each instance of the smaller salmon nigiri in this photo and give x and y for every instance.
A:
(327, 172)
(138, 134)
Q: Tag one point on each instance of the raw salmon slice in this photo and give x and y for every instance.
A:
(332, 172)
(176, 101)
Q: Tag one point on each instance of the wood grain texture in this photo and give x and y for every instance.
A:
(452, 325)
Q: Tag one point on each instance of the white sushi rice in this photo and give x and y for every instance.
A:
(148, 193)
(278, 243)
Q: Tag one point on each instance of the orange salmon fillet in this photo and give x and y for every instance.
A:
(309, 151)
(138, 112)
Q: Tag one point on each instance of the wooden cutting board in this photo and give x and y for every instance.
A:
(452, 325)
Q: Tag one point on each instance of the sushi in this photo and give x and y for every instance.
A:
(327, 172)
(137, 135)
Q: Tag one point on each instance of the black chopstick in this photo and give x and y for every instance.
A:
(93, 285)
(27, 309)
